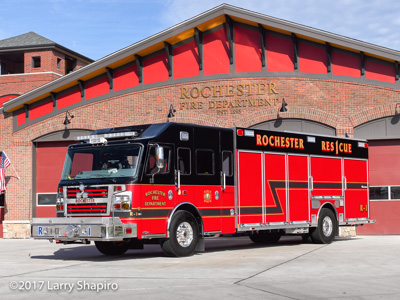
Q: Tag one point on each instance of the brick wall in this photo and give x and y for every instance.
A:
(22, 83)
(335, 103)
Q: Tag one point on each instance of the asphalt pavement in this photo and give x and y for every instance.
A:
(362, 267)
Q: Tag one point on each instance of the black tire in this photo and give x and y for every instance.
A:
(184, 235)
(112, 248)
(327, 227)
(265, 237)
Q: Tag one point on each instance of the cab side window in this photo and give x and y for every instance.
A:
(184, 165)
(205, 162)
(227, 166)
(151, 167)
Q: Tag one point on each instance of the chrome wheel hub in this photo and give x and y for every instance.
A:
(327, 226)
(184, 234)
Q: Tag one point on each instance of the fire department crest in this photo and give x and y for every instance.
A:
(207, 196)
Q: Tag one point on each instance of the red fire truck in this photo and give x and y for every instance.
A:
(176, 184)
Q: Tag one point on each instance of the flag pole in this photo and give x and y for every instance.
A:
(15, 170)
(12, 166)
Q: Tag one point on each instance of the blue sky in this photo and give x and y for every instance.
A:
(96, 28)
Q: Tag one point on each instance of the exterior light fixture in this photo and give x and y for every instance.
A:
(67, 120)
(284, 104)
(172, 110)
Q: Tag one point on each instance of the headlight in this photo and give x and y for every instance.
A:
(122, 201)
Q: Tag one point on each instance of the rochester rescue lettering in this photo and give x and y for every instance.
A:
(279, 141)
(336, 147)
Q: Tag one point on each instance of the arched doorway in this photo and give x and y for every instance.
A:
(48, 160)
(383, 137)
(299, 125)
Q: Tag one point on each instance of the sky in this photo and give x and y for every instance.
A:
(97, 28)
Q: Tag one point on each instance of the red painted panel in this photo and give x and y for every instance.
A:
(345, 65)
(155, 69)
(386, 214)
(298, 188)
(275, 190)
(380, 72)
(250, 187)
(216, 53)
(97, 88)
(41, 110)
(356, 198)
(279, 54)
(155, 225)
(69, 98)
(21, 118)
(46, 212)
(126, 78)
(384, 162)
(327, 176)
(247, 50)
(186, 61)
(228, 200)
(49, 163)
(312, 59)
(205, 201)
(4, 99)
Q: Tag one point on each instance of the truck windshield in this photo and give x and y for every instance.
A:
(102, 162)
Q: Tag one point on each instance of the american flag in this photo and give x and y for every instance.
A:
(4, 163)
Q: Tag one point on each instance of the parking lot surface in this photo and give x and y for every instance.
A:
(364, 267)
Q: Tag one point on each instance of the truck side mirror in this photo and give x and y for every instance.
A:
(160, 157)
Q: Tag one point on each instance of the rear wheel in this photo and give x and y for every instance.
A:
(112, 248)
(184, 235)
(265, 237)
(327, 228)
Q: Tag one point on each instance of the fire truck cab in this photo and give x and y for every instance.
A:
(176, 184)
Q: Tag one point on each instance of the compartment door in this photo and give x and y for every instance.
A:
(299, 204)
(275, 187)
(250, 187)
(356, 195)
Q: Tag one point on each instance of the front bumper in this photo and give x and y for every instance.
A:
(82, 229)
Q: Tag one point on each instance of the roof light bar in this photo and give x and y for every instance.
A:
(121, 134)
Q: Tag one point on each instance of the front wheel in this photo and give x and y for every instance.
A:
(327, 228)
(112, 248)
(184, 235)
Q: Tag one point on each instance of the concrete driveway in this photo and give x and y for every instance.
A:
(365, 267)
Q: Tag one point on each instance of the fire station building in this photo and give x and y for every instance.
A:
(225, 67)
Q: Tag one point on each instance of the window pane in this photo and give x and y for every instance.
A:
(378, 193)
(227, 163)
(81, 162)
(205, 162)
(184, 161)
(47, 199)
(151, 164)
(395, 192)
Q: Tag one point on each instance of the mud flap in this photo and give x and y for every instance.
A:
(201, 245)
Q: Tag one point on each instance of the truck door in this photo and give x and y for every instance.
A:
(227, 190)
(207, 177)
(275, 187)
(356, 189)
(250, 187)
(299, 205)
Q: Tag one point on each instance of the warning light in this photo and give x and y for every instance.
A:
(240, 132)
